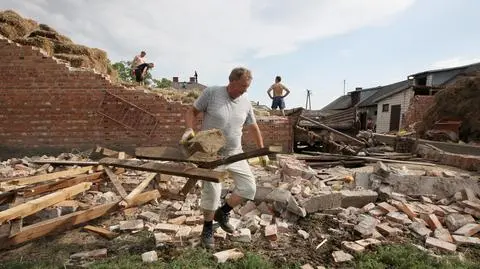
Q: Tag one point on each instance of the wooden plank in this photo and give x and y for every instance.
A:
(313, 158)
(64, 162)
(188, 186)
(6, 197)
(144, 197)
(138, 189)
(332, 130)
(118, 185)
(165, 154)
(180, 169)
(18, 182)
(205, 161)
(71, 220)
(33, 206)
(59, 224)
(49, 187)
(16, 226)
(101, 231)
(4, 231)
(238, 157)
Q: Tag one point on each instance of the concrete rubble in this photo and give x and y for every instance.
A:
(380, 205)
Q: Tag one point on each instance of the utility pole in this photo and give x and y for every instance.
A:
(308, 103)
(344, 84)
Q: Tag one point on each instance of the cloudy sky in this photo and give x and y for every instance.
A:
(312, 44)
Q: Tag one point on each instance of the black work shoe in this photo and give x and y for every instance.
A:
(222, 219)
(207, 238)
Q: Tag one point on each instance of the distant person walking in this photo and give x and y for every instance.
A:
(278, 96)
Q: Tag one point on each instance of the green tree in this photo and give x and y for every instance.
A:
(163, 83)
(124, 70)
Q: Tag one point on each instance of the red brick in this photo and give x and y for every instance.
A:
(386, 207)
(468, 229)
(432, 221)
(440, 244)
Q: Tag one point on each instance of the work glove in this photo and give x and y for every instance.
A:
(189, 134)
(264, 161)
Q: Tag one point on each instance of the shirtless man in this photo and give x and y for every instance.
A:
(138, 60)
(277, 98)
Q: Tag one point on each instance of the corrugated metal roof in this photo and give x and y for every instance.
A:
(345, 101)
(446, 69)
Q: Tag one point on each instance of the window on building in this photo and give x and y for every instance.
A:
(385, 107)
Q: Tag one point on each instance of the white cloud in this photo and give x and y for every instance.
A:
(455, 61)
(210, 36)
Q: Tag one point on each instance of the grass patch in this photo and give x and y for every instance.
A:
(408, 256)
(190, 259)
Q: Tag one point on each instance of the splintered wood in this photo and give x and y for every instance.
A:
(17, 183)
(36, 205)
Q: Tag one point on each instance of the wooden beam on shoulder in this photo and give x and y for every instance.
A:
(176, 169)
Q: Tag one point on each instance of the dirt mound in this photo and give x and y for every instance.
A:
(30, 33)
(460, 100)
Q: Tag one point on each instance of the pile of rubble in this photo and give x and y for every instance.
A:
(363, 207)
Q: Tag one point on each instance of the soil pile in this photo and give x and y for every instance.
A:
(460, 100)
(28, 32)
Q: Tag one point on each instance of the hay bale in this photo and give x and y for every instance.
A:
(19, 27)
(8, 31)
(74, 60)
(46, 28)
(38, 41)
(54, 36)
(72, 49)
(28, 32)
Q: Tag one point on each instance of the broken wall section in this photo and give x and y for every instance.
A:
(419, 105)
(49, 107)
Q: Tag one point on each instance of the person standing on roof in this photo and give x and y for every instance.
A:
(277, 99)
(226, 108)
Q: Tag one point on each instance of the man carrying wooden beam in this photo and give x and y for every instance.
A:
(227, 109)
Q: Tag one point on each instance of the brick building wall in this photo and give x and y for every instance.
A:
(417, 109)
(47, 107)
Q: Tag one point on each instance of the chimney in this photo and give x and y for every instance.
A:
(355, 97)
(175, 79)
(192, 79)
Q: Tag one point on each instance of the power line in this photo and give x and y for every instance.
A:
(308, 102)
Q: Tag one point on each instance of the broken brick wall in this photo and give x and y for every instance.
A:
(419, 104)
(47, 107)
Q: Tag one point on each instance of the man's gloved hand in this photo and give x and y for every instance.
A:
(189, 134)
(264, 161)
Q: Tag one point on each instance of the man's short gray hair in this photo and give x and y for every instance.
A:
(238, 72)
